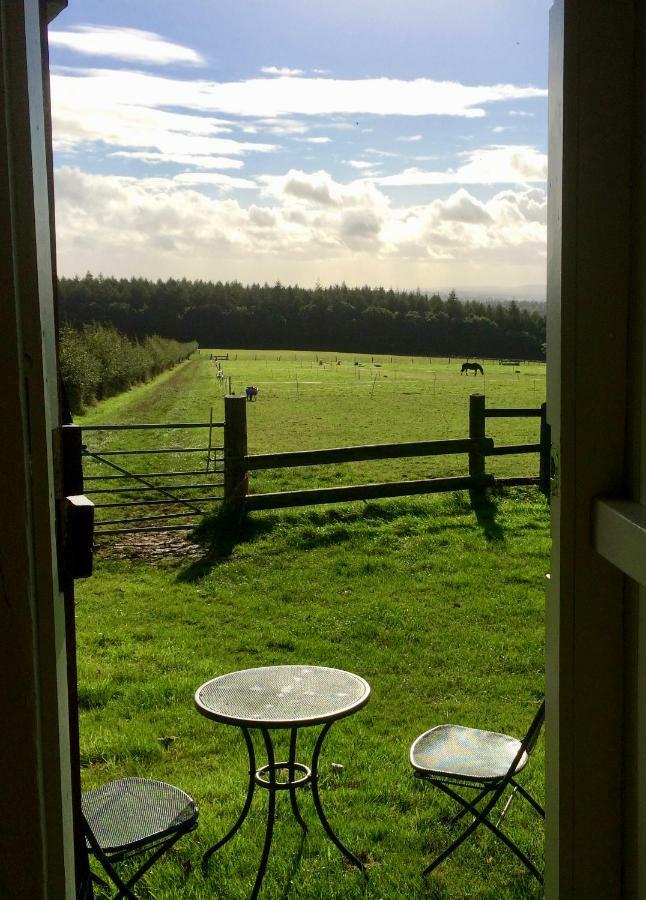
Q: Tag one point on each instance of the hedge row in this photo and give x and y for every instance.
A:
(97, 361)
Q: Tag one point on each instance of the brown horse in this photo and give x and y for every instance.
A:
(471, 367)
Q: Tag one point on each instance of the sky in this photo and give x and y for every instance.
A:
(385, 142)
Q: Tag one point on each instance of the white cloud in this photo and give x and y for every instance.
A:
(86, 110)
(162, 227)
(274, 70)
(182, 159)
(129, 44)
(280, 126)
(410, 137)
(500, 128)
(380, 152)
(218, 179)
(285, 96)
(318, 140)
(512, 207)
(360, 163)
(512, 164)
(283, 127)
(520, 113)
(321, 189)
(340, 126)
(360, 228)
(462, 207)
(261, 217)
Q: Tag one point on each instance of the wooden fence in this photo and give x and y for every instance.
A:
(238, 463)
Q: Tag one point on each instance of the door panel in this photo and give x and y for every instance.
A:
(37, 849)
(589, 230)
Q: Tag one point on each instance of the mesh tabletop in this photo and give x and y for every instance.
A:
(131, 812)
(282, 696)
(468, 753)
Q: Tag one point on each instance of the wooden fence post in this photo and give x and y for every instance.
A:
(477, 433)
(235, 449)
(546, 449)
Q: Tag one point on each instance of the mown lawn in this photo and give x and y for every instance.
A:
(439, 606)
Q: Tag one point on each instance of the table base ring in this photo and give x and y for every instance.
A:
(272, 785)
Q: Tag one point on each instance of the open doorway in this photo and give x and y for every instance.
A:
(607, 484)
(342, 197)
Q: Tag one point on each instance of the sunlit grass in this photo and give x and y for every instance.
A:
(439, 606)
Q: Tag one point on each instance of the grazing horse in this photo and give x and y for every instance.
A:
(471, 367)
(251, 392)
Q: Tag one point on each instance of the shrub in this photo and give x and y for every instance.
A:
(97, 361)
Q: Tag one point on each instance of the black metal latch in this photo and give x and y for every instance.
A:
(77, 535)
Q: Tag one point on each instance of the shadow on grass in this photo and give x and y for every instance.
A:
(222, 532)
(293, 872)
(485, 507)
(219, 535)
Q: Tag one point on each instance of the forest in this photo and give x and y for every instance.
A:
(338, 317)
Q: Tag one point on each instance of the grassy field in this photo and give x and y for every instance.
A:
(310, 401)
(439, 606)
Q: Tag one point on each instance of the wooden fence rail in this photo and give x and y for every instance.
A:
(314, 496)
(238, 463)
(511, 412)
(365, 452)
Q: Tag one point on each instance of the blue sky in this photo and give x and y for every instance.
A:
(373, 142)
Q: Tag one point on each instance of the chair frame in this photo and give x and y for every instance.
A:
(159, 844)
(490, 790)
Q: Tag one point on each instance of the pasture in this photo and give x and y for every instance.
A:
(312, 400)
(439, 606)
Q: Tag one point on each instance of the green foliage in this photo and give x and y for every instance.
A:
(338, 317)
(97, 361)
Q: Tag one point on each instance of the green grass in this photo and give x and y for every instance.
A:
(310, 401)
(437, 604)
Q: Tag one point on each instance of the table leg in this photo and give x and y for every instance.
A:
(271, 812)
(292, 772)
(317, 803)
(247, 805)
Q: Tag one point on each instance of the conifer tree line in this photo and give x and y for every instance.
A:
(342, 318)
(97, 361)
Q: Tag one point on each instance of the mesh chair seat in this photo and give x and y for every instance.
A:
(457, 759)
(469, 754)
(134, 812)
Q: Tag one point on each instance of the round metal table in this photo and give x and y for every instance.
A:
(282, 697)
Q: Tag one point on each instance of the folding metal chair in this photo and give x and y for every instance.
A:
(451, 756)
(134, 816)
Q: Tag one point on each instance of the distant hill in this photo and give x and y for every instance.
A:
(523, 293)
